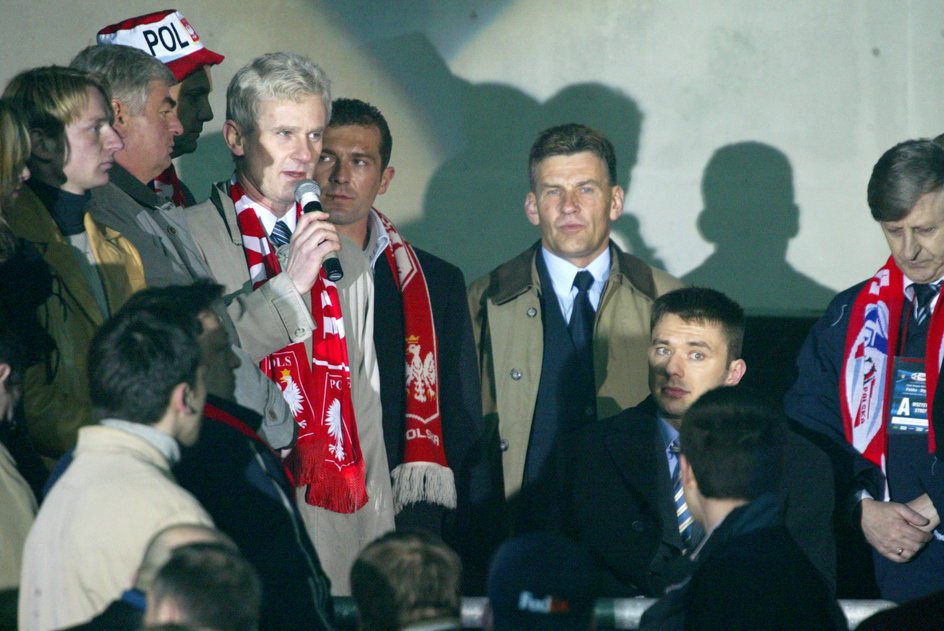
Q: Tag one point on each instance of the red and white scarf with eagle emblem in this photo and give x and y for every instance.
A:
(424, 475)
(327, 456)
(867, 371)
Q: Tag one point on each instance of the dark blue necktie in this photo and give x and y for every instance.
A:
(685, 520)
(280, 233)
(582, 316)
(924, 294)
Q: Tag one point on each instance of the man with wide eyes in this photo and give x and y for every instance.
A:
(617, 481)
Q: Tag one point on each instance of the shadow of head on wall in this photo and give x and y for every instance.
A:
(473, 211)
(750, 215)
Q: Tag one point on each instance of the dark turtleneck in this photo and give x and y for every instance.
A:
(67, 209)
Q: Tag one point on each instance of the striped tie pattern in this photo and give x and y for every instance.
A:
(924, 294)
(685, 520)
(280, 233)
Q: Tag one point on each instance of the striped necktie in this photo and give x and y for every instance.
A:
(924, 294)
(685, 520)
(280, 233)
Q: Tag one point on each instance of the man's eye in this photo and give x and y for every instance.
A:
(697, 356)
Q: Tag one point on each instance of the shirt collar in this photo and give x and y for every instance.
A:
(268, 218)
(154, 437)
(377, 239)
(562, 271)
(668, 432)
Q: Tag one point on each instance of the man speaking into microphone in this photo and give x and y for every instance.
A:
(252, 231)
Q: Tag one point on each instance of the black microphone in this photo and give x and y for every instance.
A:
(308, 194)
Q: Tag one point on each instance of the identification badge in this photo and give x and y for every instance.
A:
(909, 403)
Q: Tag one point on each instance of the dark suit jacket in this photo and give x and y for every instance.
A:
(120, 615)
(477, 526)
(750, 574)
(614, 496)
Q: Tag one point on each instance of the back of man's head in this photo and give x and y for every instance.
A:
(565, 140)
(703, 306)
(272, 77)
(206, 585)
(733, 441)
(406, 577)
(902, 176)
(356, 112)
(127, 72)
(137, 359)
(163, 544)
(541, 582)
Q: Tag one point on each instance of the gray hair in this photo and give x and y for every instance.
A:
(274, 76)
(127, 72)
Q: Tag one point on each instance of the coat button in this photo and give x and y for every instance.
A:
(503, 444)
(638, 526)
(515, 374)
(532, 312)
(300, 332)
(171, 229)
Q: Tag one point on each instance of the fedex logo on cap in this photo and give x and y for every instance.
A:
(549, 604)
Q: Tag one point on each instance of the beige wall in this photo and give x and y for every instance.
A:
(822, 88)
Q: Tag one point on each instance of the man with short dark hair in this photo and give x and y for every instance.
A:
(169, 37)
(561, 328)
(207, 586)
(407, 579)
(618, 483)
(429, 385)
(147, 388)
(749, 573)
(868, 375)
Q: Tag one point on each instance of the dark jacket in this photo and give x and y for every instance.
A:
(615, 497)
(476, 527)
(749, 574)
(242, 485)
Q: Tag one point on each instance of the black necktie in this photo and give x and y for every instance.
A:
(582, 316)
(280, 233)
(924, 294)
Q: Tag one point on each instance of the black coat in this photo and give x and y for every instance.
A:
(614, 496)
(478, 525)
(750, 574)
(243, 487)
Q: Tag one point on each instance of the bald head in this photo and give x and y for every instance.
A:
(166, 541)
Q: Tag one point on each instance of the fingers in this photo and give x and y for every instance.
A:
(889, 528)
(312, 240)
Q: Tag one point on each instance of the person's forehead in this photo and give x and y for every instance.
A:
(673, 328)
(362, 138)
(582, 161)
(157, 92)
(274, 111)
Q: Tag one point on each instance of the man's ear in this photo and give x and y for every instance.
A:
(531, 209)
(735, 372)
(616, 206)
(122, 120)
(385, 180)
(235, 138)
(686, 473)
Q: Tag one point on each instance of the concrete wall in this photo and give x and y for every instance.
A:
(746, 130)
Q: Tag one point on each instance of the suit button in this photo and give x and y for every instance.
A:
(172, 230)
(515, 374)
(532, 312)
(503, 444)
(638, 526)
(300, 332)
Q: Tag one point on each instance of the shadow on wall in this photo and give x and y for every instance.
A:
(211, 162)
(474, 205)
(750, 215)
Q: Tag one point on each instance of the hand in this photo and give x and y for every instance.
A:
(893, 529)
(923, 504)
(313, 239)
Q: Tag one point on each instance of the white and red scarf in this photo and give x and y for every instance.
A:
(867, 371)
(327, 456)
(424, 475)
(167, 186)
